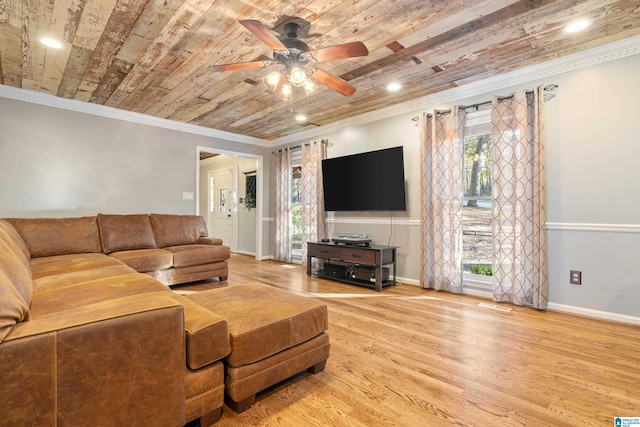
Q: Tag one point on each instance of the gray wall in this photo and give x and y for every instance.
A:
(56, 162)
(593, 171)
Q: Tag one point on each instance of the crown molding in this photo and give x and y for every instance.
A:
(129, 116)
(586, 58)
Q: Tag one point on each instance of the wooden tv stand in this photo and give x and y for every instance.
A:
(376, 258)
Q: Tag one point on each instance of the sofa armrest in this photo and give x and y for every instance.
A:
(118, 363)
(207, 334)
(209, 241)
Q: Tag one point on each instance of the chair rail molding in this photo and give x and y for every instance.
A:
(374, 221)
(594, 227)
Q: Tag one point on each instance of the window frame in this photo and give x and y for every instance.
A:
(296, 163)
(477, 123)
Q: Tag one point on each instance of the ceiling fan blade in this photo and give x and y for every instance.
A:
(333, 82)
(263, 33)
(343, 51)
(239, 66)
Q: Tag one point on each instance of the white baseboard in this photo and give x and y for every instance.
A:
(562, 308)
(478, 293)
(406, 281)
(241, 252)
(596, 314)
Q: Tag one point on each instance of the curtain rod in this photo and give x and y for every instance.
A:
(306, 144)
(547, 97)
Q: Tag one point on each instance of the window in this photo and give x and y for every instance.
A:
(223, 200)
(477, 236)
(250, 190)
(296, 207)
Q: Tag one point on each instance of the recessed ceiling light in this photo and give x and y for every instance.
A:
(301, 118)
(51, 43)
(394, 87)
(576, 26)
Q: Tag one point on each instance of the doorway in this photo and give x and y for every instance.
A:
(220, 190)
(222, 212)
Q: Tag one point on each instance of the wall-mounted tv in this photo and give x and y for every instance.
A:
(371, 181)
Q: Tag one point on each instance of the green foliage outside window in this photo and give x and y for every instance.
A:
(485, 270)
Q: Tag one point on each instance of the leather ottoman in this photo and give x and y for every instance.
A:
(274, 334)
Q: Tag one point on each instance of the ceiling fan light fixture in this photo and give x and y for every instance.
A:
(271, 80)
(298, 76)
(286, 92)
(309, 87)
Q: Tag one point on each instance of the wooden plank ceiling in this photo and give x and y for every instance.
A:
(151, 56)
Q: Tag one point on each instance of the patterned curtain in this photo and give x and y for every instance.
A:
(441, 169)
(311, 195)
(282, 191)
(519, 211)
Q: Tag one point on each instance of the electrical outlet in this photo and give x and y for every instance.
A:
(575, 277)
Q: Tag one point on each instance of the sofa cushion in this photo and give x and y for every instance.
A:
(189, 255)
(61, 264)
(15, 237)
(176, 230)
(13, 308)
(144, 260)
(13, 266)
(59, 281)
(125, 232)
(263, 320)
(58, 236)
(53, 301)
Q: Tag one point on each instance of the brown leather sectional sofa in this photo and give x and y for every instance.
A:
(91, 335)
(172, 248)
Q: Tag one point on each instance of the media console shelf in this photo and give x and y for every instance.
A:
(358, 265)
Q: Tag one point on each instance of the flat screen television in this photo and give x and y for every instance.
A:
(371, 181)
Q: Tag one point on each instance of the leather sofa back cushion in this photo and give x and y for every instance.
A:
(125, 232)
(176, 230)
(15, 267)
(15, 237)
(13, 309)
(58, 236)
(16, 279)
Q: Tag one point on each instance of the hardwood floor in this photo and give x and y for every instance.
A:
(413, 357)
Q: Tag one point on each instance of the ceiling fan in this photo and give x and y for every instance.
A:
(298, 59)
